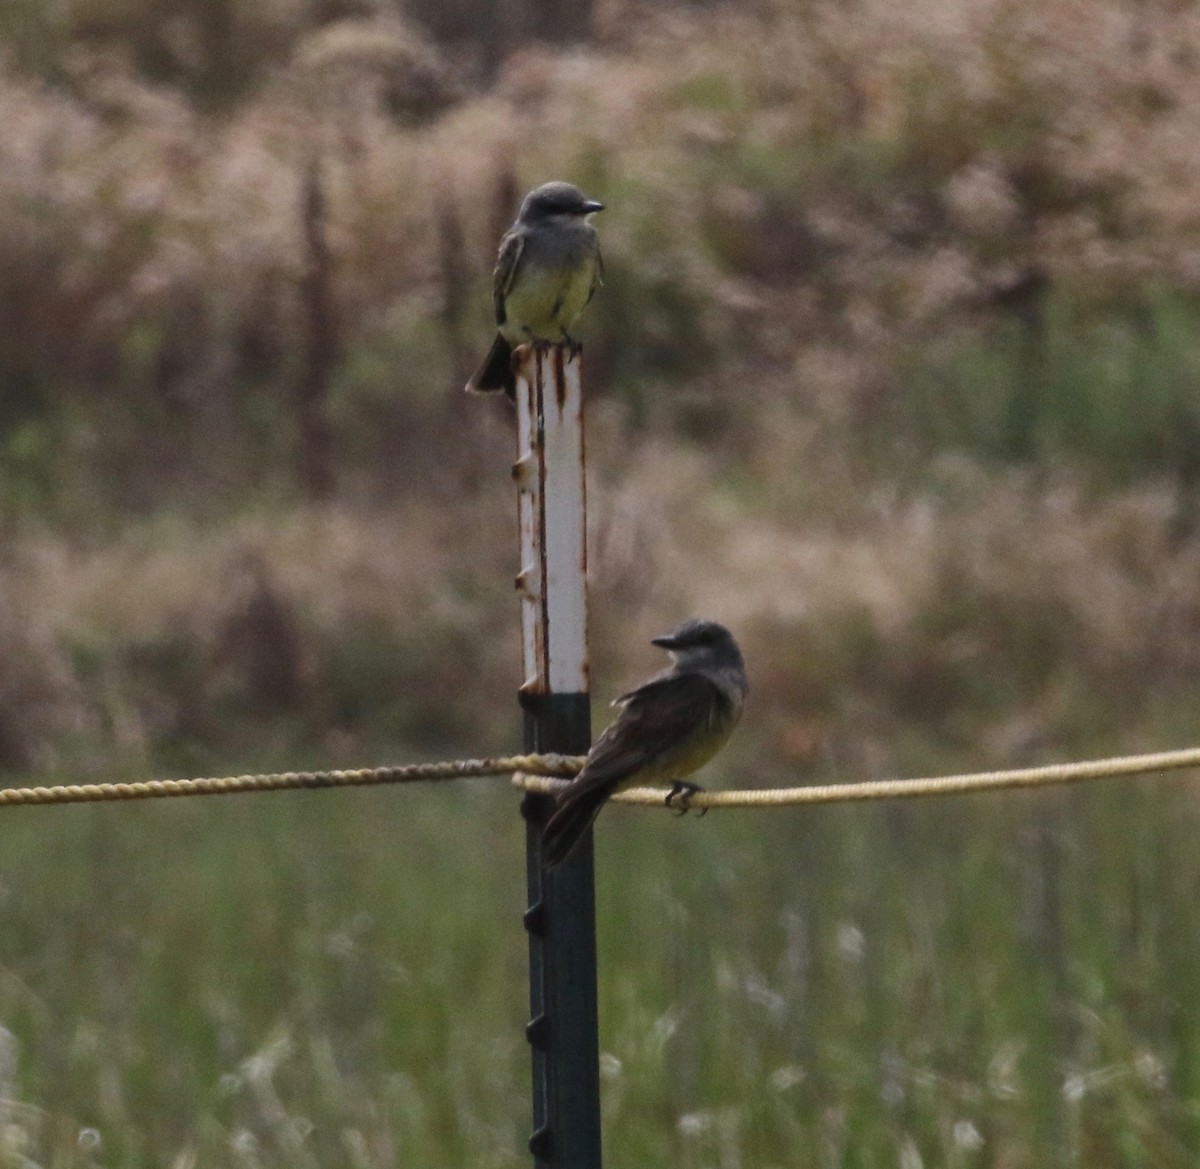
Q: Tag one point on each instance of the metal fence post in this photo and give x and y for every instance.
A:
(561, 919)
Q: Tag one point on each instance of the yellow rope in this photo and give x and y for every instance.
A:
(535, 772)
(887, 789)
(564, 765)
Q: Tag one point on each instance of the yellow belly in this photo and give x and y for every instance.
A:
(681, 761)
(544, 303)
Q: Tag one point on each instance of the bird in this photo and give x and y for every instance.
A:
(548, 268)
(667, 728)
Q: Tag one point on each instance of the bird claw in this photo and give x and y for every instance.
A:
(544, 345)
(679, 798)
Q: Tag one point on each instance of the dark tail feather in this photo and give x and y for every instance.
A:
(571, 819)
(496, 372)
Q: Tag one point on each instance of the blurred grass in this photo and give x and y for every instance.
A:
(1114, 390)
(317, 979)
(239, 998)
(841, 213)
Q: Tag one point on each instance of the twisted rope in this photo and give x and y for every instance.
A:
(889, 789)
(563, 765)
(537, 773)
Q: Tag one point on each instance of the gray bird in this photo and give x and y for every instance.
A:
(548, 268)
(667, 728)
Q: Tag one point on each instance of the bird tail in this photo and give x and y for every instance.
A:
(496, 372)
(569, 821)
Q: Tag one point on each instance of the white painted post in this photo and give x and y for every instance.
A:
(552, 506)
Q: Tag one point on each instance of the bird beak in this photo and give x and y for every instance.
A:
(590, 205)
(667, 641)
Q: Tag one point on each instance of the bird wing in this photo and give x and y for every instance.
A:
(597, 276)
(507, 262)
(655, 717)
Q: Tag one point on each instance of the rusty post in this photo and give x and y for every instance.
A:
(561, 919)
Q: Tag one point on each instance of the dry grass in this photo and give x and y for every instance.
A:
(1004, 613)
(824, 221)
(330, 631)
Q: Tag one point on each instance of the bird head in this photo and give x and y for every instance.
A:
(557, 201)
(700, 643)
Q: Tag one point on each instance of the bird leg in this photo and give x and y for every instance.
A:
(679, 798)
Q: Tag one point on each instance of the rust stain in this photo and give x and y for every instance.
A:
(560, 376)
(522, 471)
(526, 473)
(583, 552)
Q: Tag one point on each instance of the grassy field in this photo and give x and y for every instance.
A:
(339, 979)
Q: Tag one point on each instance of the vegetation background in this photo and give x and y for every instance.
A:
(896, 371)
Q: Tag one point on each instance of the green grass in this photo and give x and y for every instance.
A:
(199, 975)
(339, 979)
(1111, 388)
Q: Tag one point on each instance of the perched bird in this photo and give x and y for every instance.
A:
(668, 727)
(547, 270)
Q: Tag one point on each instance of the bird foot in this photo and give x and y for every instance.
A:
(679, 798)
(573, 347)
